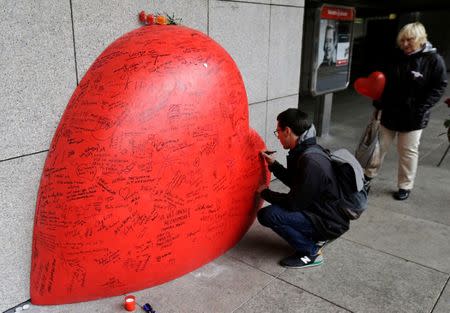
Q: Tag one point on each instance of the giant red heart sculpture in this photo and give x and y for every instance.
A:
(371, 86)
(152, 171)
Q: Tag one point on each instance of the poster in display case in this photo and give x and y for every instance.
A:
(329, 32)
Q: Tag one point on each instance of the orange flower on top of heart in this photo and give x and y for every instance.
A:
(158, 19)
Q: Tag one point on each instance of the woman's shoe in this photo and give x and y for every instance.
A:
(402, 194)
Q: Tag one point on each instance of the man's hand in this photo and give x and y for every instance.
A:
(261, 188)
(266, 155)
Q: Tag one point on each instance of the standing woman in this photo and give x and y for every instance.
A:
(415, 81)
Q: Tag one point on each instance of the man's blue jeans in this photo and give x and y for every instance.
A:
(294, 227)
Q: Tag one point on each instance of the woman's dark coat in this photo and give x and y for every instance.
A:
(414, 83)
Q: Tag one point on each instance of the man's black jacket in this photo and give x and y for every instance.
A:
(313, 190)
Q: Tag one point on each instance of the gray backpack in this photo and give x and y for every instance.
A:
(350, 178)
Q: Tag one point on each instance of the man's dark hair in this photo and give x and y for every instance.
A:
(295, 119)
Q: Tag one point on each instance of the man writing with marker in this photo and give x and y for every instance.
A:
(306, 217)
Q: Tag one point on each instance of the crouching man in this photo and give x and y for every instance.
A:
(307, 216)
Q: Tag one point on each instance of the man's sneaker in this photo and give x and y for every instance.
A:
(298, 260)
(322, 243)
(402, 194)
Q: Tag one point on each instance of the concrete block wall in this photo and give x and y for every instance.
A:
(47, 46)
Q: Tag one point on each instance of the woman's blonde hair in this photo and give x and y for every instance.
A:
(413, 30)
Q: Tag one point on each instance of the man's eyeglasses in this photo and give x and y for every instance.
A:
(275, 132)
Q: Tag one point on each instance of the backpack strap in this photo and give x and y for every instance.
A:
(316, 149)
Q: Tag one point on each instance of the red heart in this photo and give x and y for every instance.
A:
(371, 86)
(448, 102)
(151, 173)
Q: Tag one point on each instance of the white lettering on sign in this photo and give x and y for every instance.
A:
(338, 12)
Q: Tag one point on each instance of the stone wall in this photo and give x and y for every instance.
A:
(47, 46)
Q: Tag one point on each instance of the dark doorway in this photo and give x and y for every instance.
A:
(374, 47)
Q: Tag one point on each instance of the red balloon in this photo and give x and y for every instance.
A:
(448, 102)
(152, 171)
(371, 86)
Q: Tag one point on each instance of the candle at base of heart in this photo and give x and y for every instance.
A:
(130, 303)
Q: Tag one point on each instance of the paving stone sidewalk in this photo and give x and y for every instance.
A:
(394, 259)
